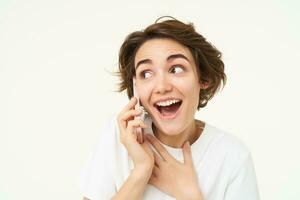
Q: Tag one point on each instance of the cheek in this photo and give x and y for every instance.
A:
(144, 91)
(189, 86)
(143, 97)
(191, 91)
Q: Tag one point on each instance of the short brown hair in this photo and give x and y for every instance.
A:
(207, 58)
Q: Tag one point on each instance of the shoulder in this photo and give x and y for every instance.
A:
(224, 143)
(108, 135)
(109, 126)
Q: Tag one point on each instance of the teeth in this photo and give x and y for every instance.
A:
(167, 103)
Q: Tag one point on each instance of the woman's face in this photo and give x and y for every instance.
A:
(167, 84)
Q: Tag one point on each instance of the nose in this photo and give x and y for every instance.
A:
(162, 84)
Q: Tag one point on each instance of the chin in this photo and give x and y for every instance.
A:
(169, 129)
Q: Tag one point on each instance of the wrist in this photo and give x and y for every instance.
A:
(142, 173)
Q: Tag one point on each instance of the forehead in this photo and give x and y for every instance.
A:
(160, 48)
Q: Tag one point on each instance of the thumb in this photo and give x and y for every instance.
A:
(187, 154)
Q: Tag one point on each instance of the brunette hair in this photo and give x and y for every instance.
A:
(207, 57)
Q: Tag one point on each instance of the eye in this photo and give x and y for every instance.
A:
(145, 74)
(177, 69)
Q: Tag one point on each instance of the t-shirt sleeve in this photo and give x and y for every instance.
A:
(243, 184)
(96, 181)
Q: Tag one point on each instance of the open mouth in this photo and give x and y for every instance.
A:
(169, 110)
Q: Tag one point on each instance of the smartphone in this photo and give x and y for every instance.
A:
(139, 131)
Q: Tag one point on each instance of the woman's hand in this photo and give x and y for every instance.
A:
(141, 154)
(173, 177)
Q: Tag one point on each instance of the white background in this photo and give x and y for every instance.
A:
(56, 87)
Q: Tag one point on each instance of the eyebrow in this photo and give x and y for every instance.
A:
(170, 57)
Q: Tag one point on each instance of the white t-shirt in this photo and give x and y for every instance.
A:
(223, 164)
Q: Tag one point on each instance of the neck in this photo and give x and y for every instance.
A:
(191, 134)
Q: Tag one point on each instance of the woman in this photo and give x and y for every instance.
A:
(179, 157)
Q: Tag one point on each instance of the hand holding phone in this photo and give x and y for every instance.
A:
(140, 153)
(139, 131)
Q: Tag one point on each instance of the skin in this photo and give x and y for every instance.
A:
(158, 77)
(173, 177)
(166, 69)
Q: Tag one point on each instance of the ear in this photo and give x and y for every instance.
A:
(204, 85)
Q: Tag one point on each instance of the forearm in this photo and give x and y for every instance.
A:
(192, 196)
(133, 188)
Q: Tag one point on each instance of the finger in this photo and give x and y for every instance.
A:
(187, 154)
(128, 115)
(153, 180)
(158, 160)
(134, 133)
(133, 124)
(129, 106)
(160, 149)
(156, 171)
(147, 147)
(140, 137)
(153, 174)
